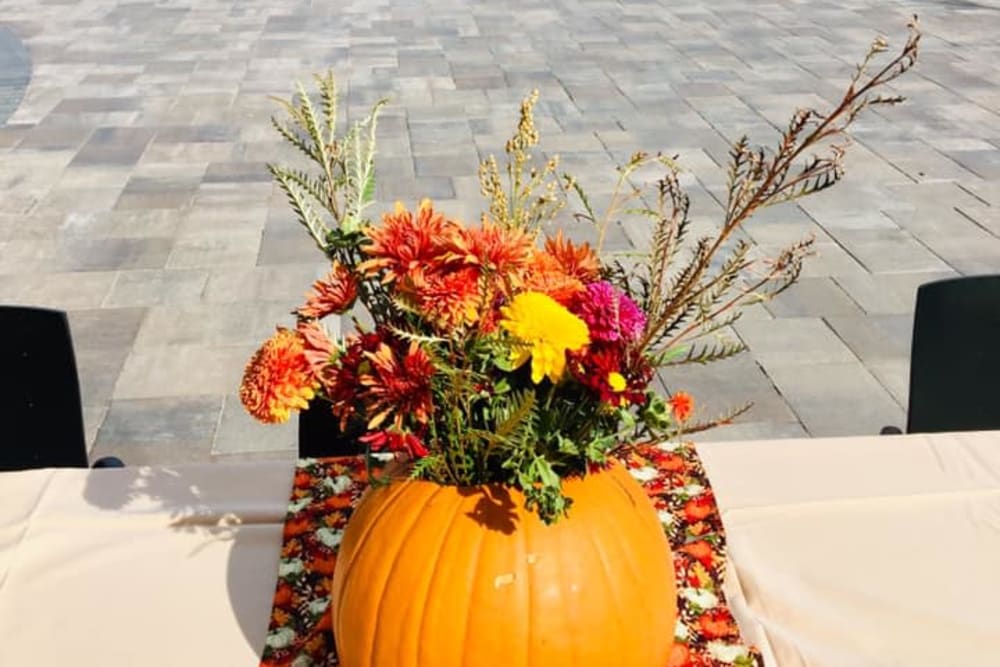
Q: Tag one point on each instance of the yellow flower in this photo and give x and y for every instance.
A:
(616, 381)
(547, 330)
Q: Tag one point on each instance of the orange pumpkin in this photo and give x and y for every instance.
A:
(443, 576)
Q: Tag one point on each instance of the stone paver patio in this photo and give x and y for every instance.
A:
(134, 193)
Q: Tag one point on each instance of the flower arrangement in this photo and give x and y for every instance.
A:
(501, 352)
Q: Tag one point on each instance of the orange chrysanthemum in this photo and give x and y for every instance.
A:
(499, 252)
(450, 299)
(682, 404)
(546, 275)
(578, 261)
(398, 386)
(405, 245)
(278, 379)
(332, 295)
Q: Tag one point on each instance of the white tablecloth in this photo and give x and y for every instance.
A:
(859, 552)
(844, 553)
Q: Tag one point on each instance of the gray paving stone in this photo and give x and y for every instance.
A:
(239, 433)
(160, 430)
(890, 251)
(813, 297)
(114, 146)
(208, 251)
(793, 342)
(182, 370)
(155, 287)
(212, 324)
(133, 164)
(836, 399)
(726, 385)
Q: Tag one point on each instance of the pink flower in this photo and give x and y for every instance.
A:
(609, 313)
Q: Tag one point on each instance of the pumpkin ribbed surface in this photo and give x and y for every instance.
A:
(443, 576)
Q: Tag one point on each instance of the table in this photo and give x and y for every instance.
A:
(844, 553)
(864, 551)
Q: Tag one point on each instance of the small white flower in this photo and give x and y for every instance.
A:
(681, 631)
(700, 598)
(338, 484)
(290, 567)
(728, 653)
(299, 504)
(665, 517)
(645, 474)
(329, 537)
(317, 607)
(692, 490)
(280, 638)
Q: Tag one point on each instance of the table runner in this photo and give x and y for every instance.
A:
(325, 492)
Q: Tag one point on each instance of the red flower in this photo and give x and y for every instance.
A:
(395, 441)
(701, 551)
(716, 624)
(699, 508)
(341, 377)
(603, 368)
(682, 404)
(398, 385)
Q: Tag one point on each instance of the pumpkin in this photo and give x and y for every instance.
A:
(442, 576)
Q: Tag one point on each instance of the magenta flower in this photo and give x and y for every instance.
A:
(609, 313)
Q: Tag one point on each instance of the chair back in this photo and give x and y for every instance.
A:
(955, 360)
(41, 418)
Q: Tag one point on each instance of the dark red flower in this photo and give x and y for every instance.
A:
(617, 380)
(395, 441)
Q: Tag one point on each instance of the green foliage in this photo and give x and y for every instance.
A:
(343, 186)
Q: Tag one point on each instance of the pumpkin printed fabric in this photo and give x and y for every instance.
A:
(325, 492)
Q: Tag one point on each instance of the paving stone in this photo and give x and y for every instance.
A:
(62, 291)
(890, 251)
(793, 342)
(726, 385)
(155, 287)
(836, 399)
(212, 324)
(239, 433)
(182, 370)
(160, 430)
(213, 250)
(105, 328)
(114, 147)
(284, 283)
(813, 297)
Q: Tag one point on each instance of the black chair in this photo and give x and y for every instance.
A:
(320, 434)
(41, 418)
(955, 358)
